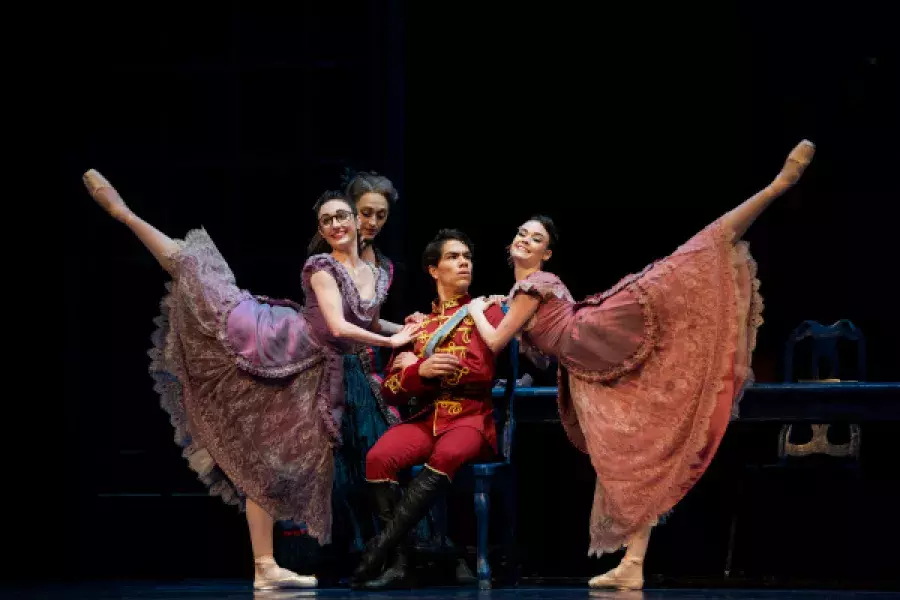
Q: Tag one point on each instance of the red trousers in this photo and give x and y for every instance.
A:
(410, 444)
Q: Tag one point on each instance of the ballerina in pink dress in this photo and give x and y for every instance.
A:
(651, 370)
(255, 387)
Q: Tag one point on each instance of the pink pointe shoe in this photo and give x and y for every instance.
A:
(796, 163)
(105, 195)
(269, 576)
(629, 575)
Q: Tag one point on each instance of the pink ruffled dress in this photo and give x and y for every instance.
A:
(254, 387)
(650, 373)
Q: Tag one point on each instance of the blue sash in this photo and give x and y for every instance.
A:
(445, 330)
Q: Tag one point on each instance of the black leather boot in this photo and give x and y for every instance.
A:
(420, 495)
(396, 576)
(386, 495)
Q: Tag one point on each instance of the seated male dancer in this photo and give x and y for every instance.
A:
(450, 368)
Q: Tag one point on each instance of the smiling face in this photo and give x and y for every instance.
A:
(337, 224)
(531, 246)
(372, 209)
(453, 272)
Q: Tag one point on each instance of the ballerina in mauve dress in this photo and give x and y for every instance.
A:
(650, 370)
(255, 388)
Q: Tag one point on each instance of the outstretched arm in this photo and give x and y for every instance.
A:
(521, 308)
(329, 297)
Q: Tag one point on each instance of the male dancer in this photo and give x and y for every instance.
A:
(450, 369)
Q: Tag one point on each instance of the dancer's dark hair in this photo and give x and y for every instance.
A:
(358, 184)
(550, 226)
(318, 245)
(431, 256)
(552, 233)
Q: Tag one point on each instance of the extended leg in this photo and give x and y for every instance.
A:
(742, 217)
(159, 244)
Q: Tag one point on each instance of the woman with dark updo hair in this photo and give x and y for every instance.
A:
(650, 370)
(374, 197)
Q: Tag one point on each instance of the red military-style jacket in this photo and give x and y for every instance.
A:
(462, 399)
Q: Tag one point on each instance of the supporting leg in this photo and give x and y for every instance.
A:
(637, 546)
(269, 576)
(260, 524)
(629, 574)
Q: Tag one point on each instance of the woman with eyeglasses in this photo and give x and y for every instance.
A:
(366, 417)
(255, 387)
(650, 370)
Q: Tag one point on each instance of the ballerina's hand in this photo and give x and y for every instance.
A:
(416, 317)
(404, 336)
(477, 304)
(495, 299)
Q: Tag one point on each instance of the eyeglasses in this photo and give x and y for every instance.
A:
(342, 217)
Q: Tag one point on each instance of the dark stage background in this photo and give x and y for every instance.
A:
(633, 128)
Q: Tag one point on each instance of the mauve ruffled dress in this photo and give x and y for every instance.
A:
(255, 387)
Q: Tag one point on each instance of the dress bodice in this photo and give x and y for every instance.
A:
(600, 337)
(547, 328)
(357, 310)
(276, 338)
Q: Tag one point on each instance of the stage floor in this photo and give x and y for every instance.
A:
(228, 590)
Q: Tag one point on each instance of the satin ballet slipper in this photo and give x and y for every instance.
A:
(629, 575)
(795, 164)
(269, 576)
(102, 191)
